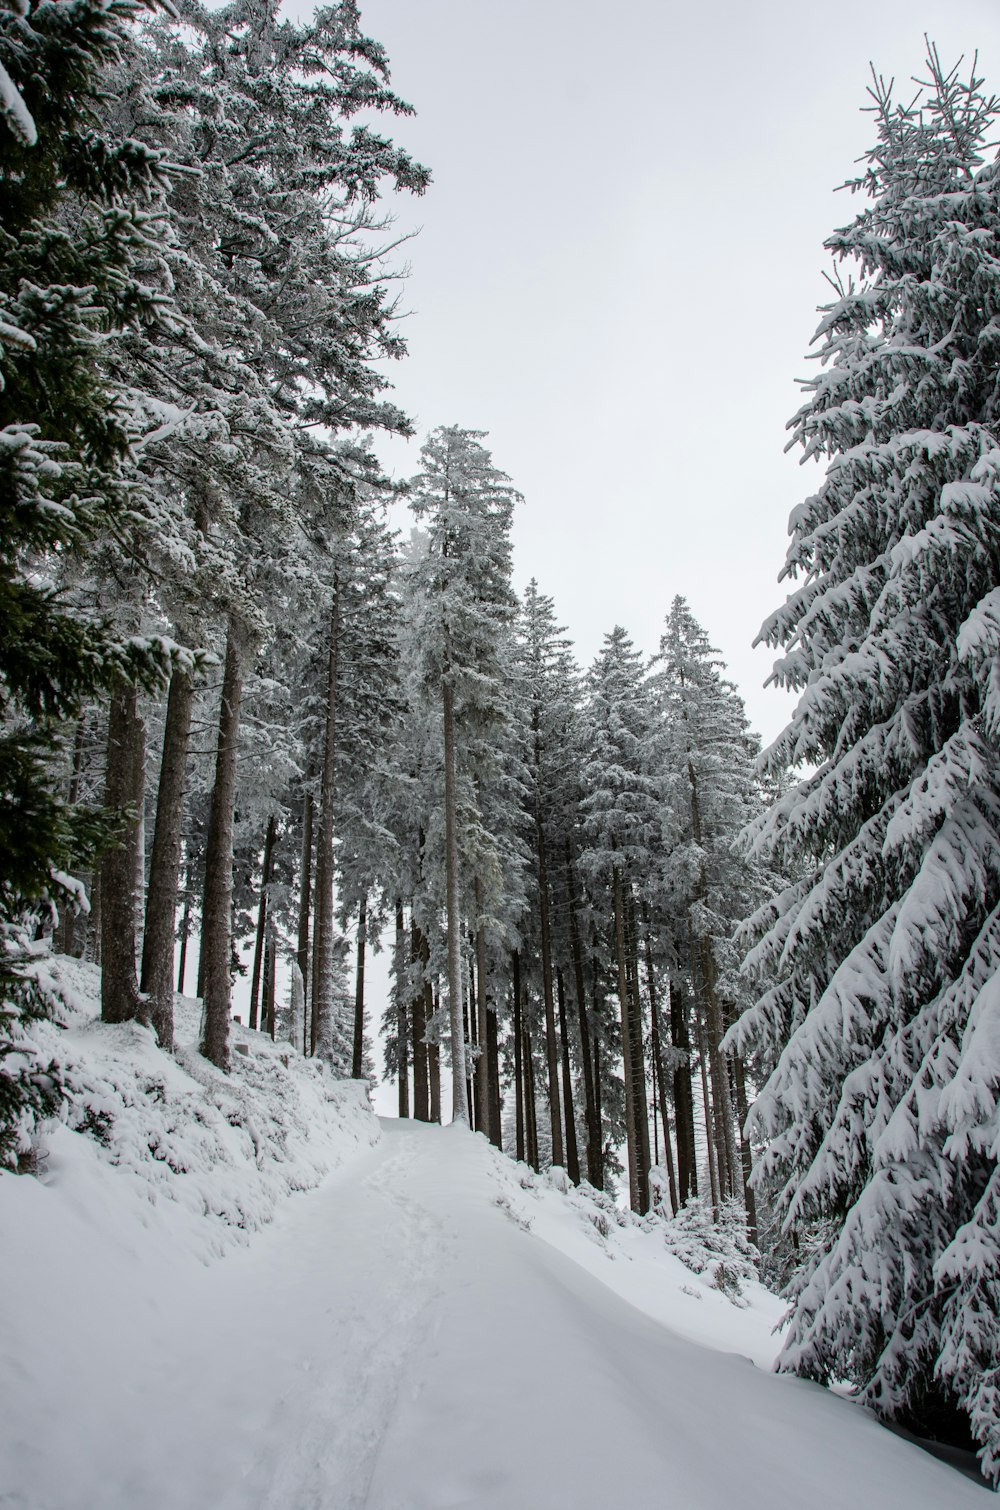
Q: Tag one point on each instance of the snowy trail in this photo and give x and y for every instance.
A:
(397, 1341)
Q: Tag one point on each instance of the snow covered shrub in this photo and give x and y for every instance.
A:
(720, 1248)
(30, 1085)
(876, 1025)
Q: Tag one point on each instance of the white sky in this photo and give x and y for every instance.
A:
(618, 270)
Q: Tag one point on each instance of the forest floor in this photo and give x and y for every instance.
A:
(428, 1328)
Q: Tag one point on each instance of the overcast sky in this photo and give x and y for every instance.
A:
(617, 273)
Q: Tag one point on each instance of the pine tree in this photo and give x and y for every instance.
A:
(879, 965)
(79, 218)
(462, 633)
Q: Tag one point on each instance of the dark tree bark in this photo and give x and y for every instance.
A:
(124, 780)
(185, 926)
(569, 1119)
(483, 1095)
(322, 985)
(594, 1171)
(636, 1120)
(305, 903)
(551, 1042)
(459, 1074)
(518, 1060)
(687, 1171)
(531, 1103)
(216, 912)
(165, 862)
(268, 1017)
(270, 839)
(402, 1016)
(659, 1079)
(357, 1061)
(418, 1014)
(493, 1054)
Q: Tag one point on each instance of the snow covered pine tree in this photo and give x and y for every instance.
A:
(880, 969)
(75, 227)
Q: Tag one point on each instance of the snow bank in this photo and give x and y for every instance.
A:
(198, 1158)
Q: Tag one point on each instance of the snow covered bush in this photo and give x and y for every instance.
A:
(719, 1248)
(877, 1023)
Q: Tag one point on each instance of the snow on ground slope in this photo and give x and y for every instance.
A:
(430, 1328)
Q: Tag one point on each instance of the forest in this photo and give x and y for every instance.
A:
(253, 731)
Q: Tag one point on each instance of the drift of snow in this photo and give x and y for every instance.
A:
(430, 1327)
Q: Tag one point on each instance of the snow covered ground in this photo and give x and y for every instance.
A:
(428, 1327)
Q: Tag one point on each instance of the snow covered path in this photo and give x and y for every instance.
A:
(398, 1341)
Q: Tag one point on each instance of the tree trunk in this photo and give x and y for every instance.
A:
(484, 1096)
(593, 1121)
(746, 1156)
(418, 1014)
(713, 1165)
(124, 781)
(165, 862)
(216, 912)
(357, 1062)
(659, 1079)
(569, 1118)
(518, 1061)
(185, 925)
(634, 1173)
(551, 1042)
(531, 1104)
(459, 1090)
(270, 838)
(322, 986)
(268, 1020)
(638, 1041)
(687, 1164)
(305, 902)
(493, 1079)
(402, 1027)
(67, 929)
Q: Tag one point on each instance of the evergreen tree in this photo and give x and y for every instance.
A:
(462, 634)
(879, 966)
(79, 219)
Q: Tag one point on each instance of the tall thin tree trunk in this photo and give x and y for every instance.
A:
(270, 838)
(434, 1075)
(632, 1142)
(268, 1018)
(402, 1026)
(67, 929)
(418, 1015)
(746, 1156)
(165, 862)
(597, 1103)
(659, 1079)
(357, 1062)
(217, 908)
(551, 1041)
(185, 926)
(483, 1093)
(493, 1079)
(569, 1118)
(305, 903)
(531, 1103)
(459, 1087)
(713, 1165)
(120, 999)
(593, 1121)
(322, 986)
(518, 1060)
(687, 1163)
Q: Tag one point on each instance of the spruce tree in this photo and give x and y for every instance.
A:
(879, 967)
(79, 219)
